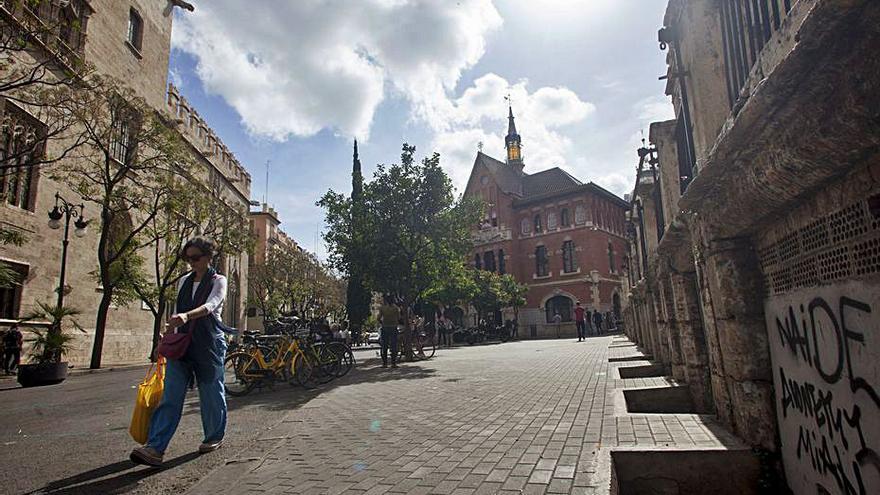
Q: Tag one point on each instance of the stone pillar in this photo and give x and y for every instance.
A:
(673, 344)
(692, 339)
(735, 290)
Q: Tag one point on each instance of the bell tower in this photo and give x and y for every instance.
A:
(513, 143)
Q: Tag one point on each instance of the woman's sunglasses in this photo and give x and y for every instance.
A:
(193, 258)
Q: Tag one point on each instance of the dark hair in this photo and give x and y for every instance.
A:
(203, 244)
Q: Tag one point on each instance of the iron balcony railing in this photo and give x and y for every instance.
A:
(746, 26)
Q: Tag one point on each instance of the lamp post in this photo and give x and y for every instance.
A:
(66, 210)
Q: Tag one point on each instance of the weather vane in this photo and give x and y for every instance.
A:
(508, 99)
(480, 146)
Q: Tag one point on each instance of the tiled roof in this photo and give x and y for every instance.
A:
(554, 180)
(507, 178)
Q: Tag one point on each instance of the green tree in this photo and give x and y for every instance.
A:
(513, 294)
(129, 151)
(414, 229)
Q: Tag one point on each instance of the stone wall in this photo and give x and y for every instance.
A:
(762, 293)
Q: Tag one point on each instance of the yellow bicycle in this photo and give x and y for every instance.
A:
(259, 363)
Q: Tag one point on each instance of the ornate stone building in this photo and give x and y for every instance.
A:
(264, 225)
(129, 40)
(755, 226)
(561, 237)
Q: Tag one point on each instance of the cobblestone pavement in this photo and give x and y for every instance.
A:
(520, 417)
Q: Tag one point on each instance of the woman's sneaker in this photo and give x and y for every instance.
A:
(147, 456)
(206, 447)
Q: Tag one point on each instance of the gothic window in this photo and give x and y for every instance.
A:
(122, 129)
(537, 224)
(526, 226)
(551, 221)
(541, 261)
(569, 264)
(563, 218)
(611, 259)
(477, 263)
(22, 144)
(558, 304)
(580, 215)
(501, 265)
(135, 29)
(10, 296)
(489, 261)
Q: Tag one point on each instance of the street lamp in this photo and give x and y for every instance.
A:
(66, 210)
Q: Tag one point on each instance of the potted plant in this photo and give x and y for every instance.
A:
(49, 347)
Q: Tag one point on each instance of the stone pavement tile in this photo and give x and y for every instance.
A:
(488, 488)
(472, 481)
(564, 472)
(463, 491)
(559, 486)
(515, 483)
(534, 489)
(545, 464)
(499, 475)
(540, 476)
(483, 468)
(445, 487)
(522, 470)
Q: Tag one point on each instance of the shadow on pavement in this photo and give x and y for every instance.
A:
(281, 396)
(78, 484)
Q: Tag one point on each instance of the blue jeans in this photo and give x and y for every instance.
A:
(388, 340)
(212, 399)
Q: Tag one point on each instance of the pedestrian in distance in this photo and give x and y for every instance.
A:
(580, 322)
(557, 319)
(389, 318)
(200, 297)
(12, 343)
(597, 320)
(588, 320)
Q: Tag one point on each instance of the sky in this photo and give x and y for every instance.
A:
(289, 85)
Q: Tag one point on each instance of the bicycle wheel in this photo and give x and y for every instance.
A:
(346, 357)
(237, 373)
(302, 372)
(427, 346)
(328, 364)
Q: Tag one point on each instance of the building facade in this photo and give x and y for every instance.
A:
(755, 225)
(129, 41)
(267, 235)
(563, 238)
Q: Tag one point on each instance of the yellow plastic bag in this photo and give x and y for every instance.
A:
(148, 397)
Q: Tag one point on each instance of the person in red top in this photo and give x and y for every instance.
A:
(580, 321)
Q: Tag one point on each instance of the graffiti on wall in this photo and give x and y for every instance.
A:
(825, 348)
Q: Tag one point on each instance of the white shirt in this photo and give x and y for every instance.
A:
(214, 304)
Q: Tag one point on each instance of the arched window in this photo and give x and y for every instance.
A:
(489, 261)
(551, 221)
(569, 264)
(563, 218)
(541, 261)
(558, 304)
(526, 226)
(478, 264)
(537, 224)
(501, 267)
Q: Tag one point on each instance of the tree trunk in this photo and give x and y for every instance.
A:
(158, 324)
(100, 326)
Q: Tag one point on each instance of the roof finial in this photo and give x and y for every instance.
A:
(480, 146)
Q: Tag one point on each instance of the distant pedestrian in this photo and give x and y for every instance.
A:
(389, 318)
(557, 319)
(12, 343)
(580, 322)
(597, 320)
(200, 297)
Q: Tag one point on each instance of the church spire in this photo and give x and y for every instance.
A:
(513, 142)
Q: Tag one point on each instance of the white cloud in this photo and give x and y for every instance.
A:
(654, 109)
(480, 114)
(617, 183)
(298, 67)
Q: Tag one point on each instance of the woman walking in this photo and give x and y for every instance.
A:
(200, 296)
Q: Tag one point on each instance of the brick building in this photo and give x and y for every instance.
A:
(129, 40)
(561, 237)
(754, 274)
